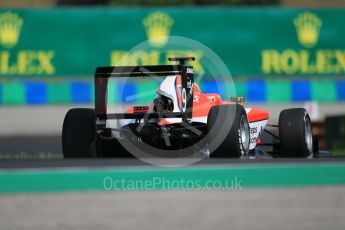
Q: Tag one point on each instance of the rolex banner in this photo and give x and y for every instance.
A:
(251, 41)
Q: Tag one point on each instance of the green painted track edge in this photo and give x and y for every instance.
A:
(186, 178)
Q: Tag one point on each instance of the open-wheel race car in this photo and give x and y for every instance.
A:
(179, 118)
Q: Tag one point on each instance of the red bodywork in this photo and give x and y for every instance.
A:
(203, 102)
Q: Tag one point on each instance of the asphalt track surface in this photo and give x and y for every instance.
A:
(315, 208)
(33, 129)
(48, 120)
(133, 162)
(31, 144)
(289, 207)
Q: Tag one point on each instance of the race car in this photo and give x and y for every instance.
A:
(181, 121)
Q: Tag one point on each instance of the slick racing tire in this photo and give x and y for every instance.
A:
(228, 126)
(295, 133)
(79, 134)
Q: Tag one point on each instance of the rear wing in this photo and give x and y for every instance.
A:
(187, 76)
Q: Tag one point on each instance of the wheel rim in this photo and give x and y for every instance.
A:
(308, 135)
(244, 133)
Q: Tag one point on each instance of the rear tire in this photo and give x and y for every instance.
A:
(79, 134)
(295, 133)
(234, 141)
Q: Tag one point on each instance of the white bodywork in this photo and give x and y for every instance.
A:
(168, 89)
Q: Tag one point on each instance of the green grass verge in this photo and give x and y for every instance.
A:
(188, 178)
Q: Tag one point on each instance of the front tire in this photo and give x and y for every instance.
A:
(295, 133)
(229, 123)
(79, 134)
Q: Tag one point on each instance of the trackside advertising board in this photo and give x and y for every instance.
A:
(253, 42)
(48, 56)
